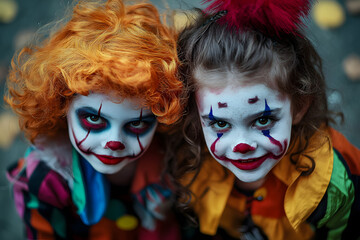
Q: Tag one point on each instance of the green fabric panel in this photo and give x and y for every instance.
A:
(33, 203)
(340, 198)
(28, 151)
(78, 191)
(115, 209)
(58, 222)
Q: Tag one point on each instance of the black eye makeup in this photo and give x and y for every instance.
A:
(90, 120)
(141, 126)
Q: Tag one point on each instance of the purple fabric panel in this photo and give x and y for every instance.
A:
(19, 200)
(54, 190)
(31, 164)
(16, 180)
(19, 185)
(29, 233)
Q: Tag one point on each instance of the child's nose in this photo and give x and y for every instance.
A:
(243, 148)
(115, 145)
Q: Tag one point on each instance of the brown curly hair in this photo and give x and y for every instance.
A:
(288, 63)
(105, 46)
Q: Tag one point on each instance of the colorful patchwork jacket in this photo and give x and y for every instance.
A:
(324, 204)
(81, 204)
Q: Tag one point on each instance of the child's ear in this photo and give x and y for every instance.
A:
(298, 115)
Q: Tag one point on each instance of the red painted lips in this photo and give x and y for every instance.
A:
(252, 163)
(110, 160)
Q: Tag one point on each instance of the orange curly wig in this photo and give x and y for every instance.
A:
(105, 47)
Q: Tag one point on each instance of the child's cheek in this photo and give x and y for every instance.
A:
(277, 145)
(218, 144)
(209, 135)
(221, 147)
(279, 141)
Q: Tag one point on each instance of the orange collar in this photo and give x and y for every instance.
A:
(304, 193)
(213, 186)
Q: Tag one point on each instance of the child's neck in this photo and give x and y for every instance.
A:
(249, 186)
(125, 176)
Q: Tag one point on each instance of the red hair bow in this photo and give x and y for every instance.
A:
(271, 17)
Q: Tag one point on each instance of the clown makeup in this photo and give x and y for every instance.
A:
(109, 135)
(247, 128)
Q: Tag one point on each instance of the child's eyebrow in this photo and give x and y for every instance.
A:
(90, 110)
(94, 111)
(148, 117)
(212, 118)
(264, 113)
(251, 116)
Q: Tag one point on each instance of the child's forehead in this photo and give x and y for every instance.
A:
(220, 78)
(232, 101)
(239, 95)
(238, 91)
(107, 101)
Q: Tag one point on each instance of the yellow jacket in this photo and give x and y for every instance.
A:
(288, 198)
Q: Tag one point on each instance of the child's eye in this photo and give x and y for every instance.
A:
(137, 124)
(137, 127)
(93, 122)
(94, 119)
(222, 126)
(264, 122)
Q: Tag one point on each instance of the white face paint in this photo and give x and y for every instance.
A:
(247, 128)
(109, 135)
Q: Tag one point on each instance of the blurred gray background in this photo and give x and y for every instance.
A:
(335, 46)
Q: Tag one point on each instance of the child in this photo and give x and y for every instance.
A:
(90, 98)
(273, 168)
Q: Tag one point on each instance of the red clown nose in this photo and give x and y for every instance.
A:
(115, 145)
(243, 148)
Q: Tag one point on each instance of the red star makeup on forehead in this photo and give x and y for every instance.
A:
(222, 105)
(253, 100)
